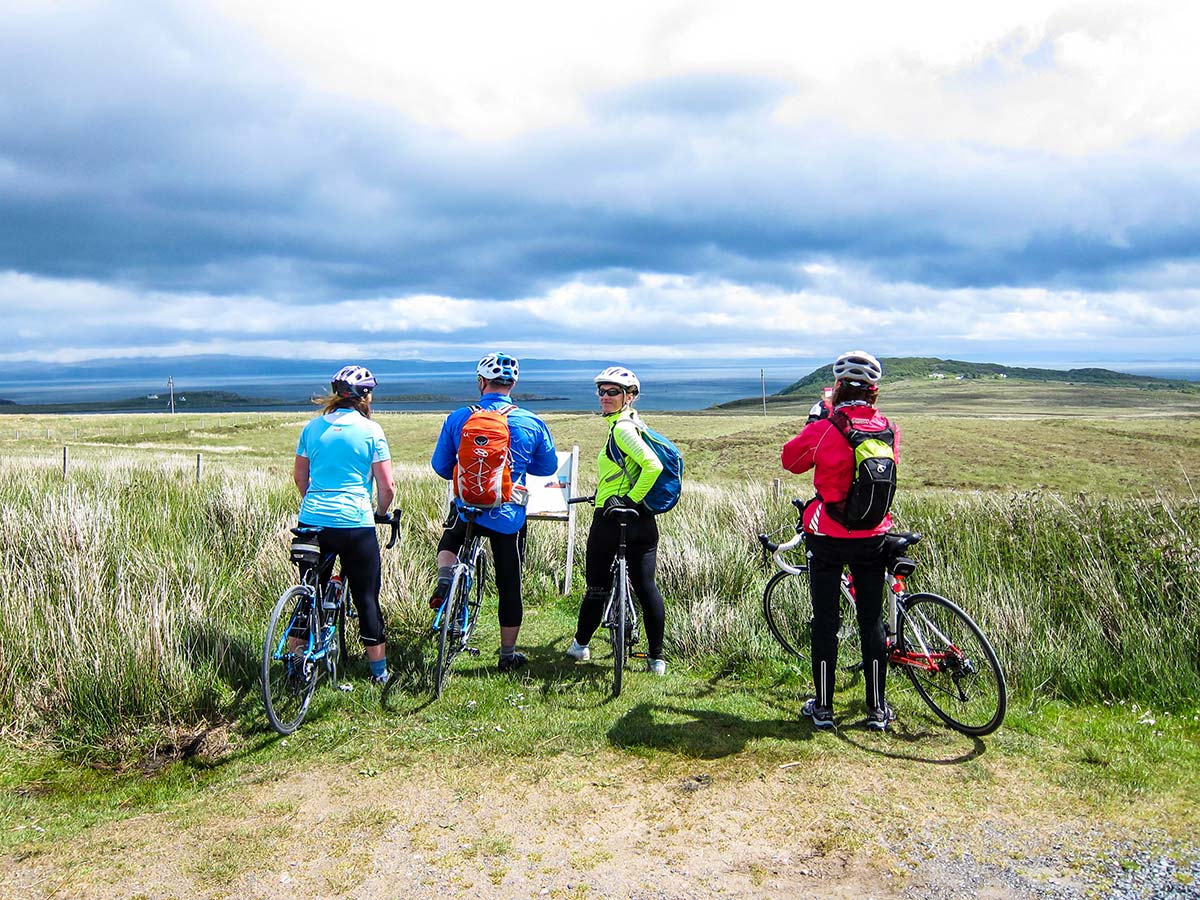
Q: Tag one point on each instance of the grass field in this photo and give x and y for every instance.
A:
(131, 632)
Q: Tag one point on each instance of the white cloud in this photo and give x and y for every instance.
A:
(1067, 76)
(663, 316)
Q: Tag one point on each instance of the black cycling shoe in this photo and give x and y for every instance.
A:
(512, 663)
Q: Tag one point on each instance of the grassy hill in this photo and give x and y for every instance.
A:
(955, 387)
(902, 367)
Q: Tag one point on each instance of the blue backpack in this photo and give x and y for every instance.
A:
(665, 493)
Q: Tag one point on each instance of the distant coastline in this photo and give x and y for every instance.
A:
(224, 401)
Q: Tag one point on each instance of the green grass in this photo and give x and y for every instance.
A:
(136, 615)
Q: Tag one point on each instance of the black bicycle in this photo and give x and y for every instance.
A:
(306, 635)
(620, 614)
(454, 621)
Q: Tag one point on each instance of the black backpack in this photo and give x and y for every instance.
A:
(874, 483)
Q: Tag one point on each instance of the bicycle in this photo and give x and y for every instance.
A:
(454, 621)
(306, 634)
(620, 614)
(945, 655)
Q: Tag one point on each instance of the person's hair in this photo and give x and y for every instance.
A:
(332, 401)
(844, 392)
(496, 387)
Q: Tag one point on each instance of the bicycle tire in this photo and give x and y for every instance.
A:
(476, 599)
(448, 641)
(620, 600)
(285, 698)
(967, 691)
(787, 608)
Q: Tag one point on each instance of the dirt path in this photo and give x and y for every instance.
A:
(613, 827)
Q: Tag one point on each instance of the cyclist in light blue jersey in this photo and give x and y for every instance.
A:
(338, 455)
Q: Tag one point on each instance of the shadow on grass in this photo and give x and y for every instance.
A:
(698, 733)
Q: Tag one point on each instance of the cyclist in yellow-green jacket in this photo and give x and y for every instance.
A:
(621, 484)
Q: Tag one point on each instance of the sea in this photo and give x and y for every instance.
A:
(546, 385)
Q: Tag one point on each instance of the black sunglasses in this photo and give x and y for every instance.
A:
(610, 392)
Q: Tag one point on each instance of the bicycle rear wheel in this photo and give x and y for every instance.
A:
(619, 600)
(960, 679)
(288, 676)
(450, 632)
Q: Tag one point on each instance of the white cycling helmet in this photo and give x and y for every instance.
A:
(499, 367)
(621, 376)
(857, 367)
(352, 381)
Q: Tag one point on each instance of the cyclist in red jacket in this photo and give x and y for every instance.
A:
(821, 446)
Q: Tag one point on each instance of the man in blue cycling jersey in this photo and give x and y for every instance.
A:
(531, 451)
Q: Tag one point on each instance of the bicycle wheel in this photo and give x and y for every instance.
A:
(620, 601)
(960, 678)
(288, 676)
(450, 632)
(475, 601)
(787, 607)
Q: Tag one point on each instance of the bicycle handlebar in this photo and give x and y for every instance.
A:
(777, 550)
(393, 520)
(588, 499)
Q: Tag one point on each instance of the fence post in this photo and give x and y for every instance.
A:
(199, 456)
(64, 461)
(776, 484)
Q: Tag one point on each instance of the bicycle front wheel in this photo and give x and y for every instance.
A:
(951, 664)
(288, 676)
(617, 625)
(787, 607)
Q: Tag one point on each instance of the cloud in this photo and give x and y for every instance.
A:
(224, 176)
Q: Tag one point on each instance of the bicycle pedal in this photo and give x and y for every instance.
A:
(474, 651)
(345, 687)
(638, 655)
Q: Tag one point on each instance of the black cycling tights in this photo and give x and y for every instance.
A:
(508, 552)
(641, 553)
(358, 549)
(826, 558)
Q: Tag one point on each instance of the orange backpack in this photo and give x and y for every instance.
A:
(483, 471)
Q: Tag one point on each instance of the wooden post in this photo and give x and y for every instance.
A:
(64, 462)
(777, 484)
(199, 457)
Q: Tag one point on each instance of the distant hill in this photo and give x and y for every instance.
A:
(909, 368)
(896, 368)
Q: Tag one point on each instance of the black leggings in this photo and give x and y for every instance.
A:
(358, 549)
(508, 551)
(641, 553)
(826, 558)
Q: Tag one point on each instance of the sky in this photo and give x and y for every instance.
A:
(1011, 182)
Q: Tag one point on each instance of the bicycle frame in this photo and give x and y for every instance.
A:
(897, 591)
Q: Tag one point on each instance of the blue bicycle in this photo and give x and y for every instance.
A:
(454, 621)
(306, 636)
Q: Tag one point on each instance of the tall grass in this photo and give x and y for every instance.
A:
(134, 598)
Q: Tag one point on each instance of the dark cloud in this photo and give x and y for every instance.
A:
(153, 146)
